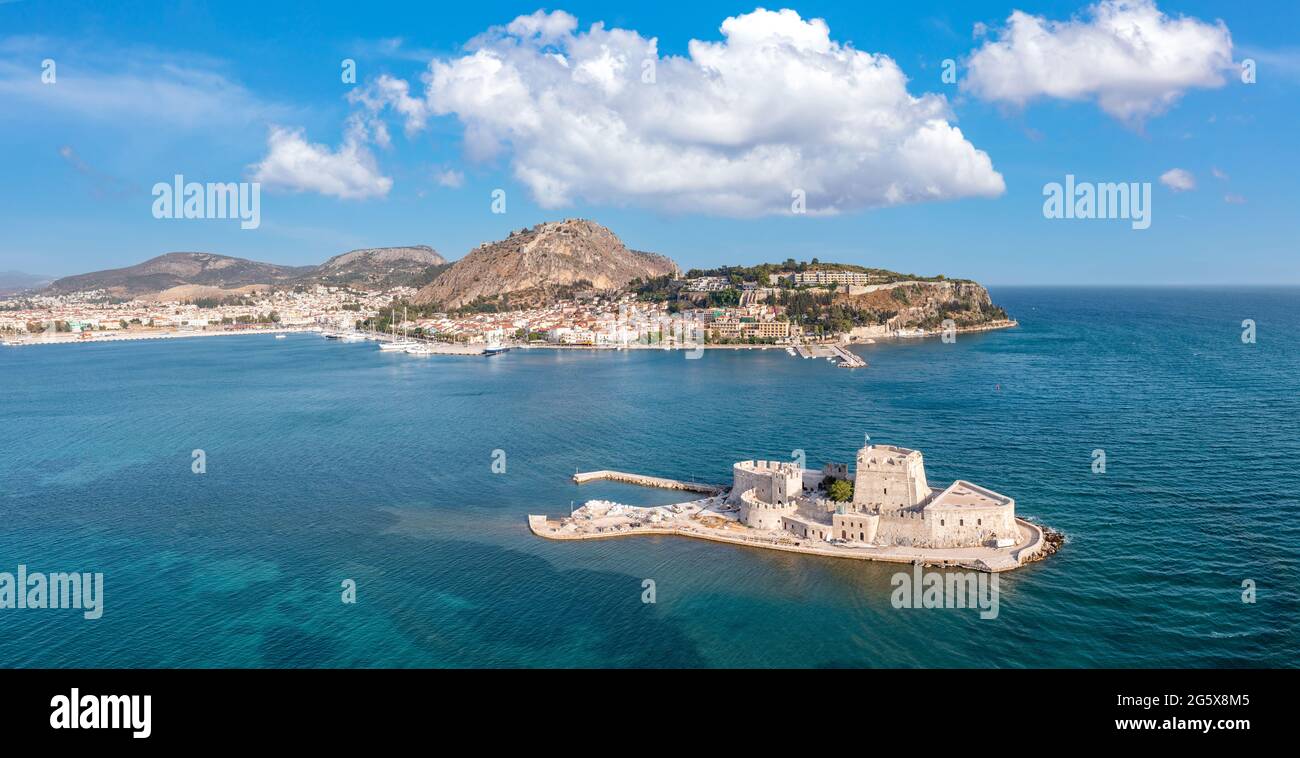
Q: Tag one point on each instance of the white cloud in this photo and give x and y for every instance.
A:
(542, 25)
(134, 88)
(1234, 199)
(1178, 180)
(394, 92)
(1127, 55)
(450, 178)
(1219, 173)
(1279, 63)
(293, 163)
(733, 128)
(169, 94)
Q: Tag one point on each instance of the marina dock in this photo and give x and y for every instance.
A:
(847, 359)
(837, 353)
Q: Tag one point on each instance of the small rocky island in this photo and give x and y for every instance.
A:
(893, 514)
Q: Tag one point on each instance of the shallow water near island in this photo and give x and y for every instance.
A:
(329, 461)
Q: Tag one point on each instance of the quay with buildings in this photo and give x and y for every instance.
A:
(755, 319)
(893, 514)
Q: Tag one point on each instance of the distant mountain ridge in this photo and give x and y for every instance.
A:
(370, 267)
(180, 269)
(18, 281)
(537, 265)
(381, 267)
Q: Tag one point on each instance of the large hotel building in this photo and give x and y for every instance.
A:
(834, 276)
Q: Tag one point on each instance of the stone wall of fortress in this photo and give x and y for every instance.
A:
(916, 528)
(908, 528)
(972, 526)
(757, 513)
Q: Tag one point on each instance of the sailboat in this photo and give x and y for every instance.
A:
(398, 345)
(415, 347)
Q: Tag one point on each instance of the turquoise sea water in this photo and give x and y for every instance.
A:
(330, 461)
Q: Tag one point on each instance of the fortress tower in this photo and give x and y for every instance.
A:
(776, 482)
(766, 491)
(888, 478)
(893, 504)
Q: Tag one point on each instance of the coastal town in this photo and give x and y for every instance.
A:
(706, 311)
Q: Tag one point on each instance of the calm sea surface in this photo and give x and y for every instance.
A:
(329, 461)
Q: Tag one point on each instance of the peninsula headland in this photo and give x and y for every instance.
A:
(568, 283)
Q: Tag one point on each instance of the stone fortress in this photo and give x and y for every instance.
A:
(893, 505)
(894, 514)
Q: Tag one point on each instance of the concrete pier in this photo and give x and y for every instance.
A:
(837, 353)
(847, 359)
(646, 481)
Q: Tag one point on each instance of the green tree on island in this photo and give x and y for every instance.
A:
(840, 490)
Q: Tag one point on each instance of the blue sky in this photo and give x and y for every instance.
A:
(144, 91)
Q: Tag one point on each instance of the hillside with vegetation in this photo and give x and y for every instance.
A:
(891, 300)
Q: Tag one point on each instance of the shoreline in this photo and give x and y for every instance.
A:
(892, 338)
(73, 338)
(1036, 543)
(899, 334)
(459, 348)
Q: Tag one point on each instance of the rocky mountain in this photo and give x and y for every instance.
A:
(208, 274)
(380, 267)
(180, 269)
(542, 263)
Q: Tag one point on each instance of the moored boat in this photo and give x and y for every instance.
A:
(398, 346)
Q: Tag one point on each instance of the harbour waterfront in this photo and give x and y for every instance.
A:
(330, 461)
